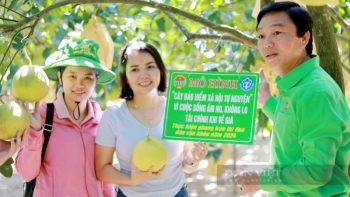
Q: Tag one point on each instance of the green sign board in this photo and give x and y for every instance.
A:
(211, 107)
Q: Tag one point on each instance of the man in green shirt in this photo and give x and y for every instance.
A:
(310, 147)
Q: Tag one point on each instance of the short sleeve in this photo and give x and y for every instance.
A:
(106, 129)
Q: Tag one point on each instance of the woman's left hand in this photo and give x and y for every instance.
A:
(197, 153)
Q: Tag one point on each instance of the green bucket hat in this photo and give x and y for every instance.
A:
(81, 53)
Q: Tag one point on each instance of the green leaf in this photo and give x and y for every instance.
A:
(8, 162)
(2, 69)
(251, 58)
(17, 44)
(46, 52)
(86, 17)
(248, 13)
(38, 1)
(249, 61)
(235, 47)
(6, 169)
(71, 25)
(3, 48)
(34, 10)
(13, 4)
(13, 70)
(0, 88)
(212, 17)
(161, 24)
(187, 48)
(144, 38)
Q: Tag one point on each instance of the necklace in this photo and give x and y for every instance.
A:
(149, 119)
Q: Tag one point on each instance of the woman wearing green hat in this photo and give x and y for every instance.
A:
(68, 165)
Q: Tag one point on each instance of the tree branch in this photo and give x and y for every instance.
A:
(347, 69)
(192, 37)
(249, 40)
(337, 18)
(229, 38)
(342, 38)
(24, 42)
(7, 19)
(14, 11)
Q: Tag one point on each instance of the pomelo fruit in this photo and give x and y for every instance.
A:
(149, 152)
(30, 83)
(13, 118)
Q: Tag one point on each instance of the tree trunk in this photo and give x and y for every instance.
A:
(326, 44)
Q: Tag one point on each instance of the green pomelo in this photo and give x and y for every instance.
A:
(13, 118)
(149, 152)
(30, 83)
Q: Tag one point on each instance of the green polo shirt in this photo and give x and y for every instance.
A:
(310, 147)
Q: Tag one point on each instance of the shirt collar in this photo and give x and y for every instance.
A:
(298, 73)
(62, 111)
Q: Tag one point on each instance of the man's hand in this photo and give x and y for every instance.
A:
(264, 89)
(249, 181)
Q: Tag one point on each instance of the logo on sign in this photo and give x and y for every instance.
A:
(247, 84)
(179, 81)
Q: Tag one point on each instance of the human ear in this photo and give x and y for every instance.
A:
(305, 39)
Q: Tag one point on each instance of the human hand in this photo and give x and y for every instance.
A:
(197, 152)
(249, 181)
(138, 176)
(9, 148)
(264, 89)
(35, 118)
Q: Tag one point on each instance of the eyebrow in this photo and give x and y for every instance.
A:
(152, 62)
(72, 72)
(273, 25)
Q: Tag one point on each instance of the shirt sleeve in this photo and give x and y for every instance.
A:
(105, 135)
(270, 107)
(28, 159)
(322, 121)
(107, 189)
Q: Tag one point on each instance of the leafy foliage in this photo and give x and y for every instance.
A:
(128, 22)
(6, 169)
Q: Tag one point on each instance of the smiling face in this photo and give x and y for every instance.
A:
(78, 83)
(142, 73)
(279, 44)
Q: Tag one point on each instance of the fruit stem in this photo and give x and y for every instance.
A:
(26, 56)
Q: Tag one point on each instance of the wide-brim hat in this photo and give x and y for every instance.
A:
(80, 53)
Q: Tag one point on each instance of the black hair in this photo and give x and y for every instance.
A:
(299, 16)
(125, 89)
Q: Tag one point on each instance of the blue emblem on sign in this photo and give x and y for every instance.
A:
(247, 84)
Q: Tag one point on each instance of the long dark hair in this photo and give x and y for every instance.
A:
(126, 91)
